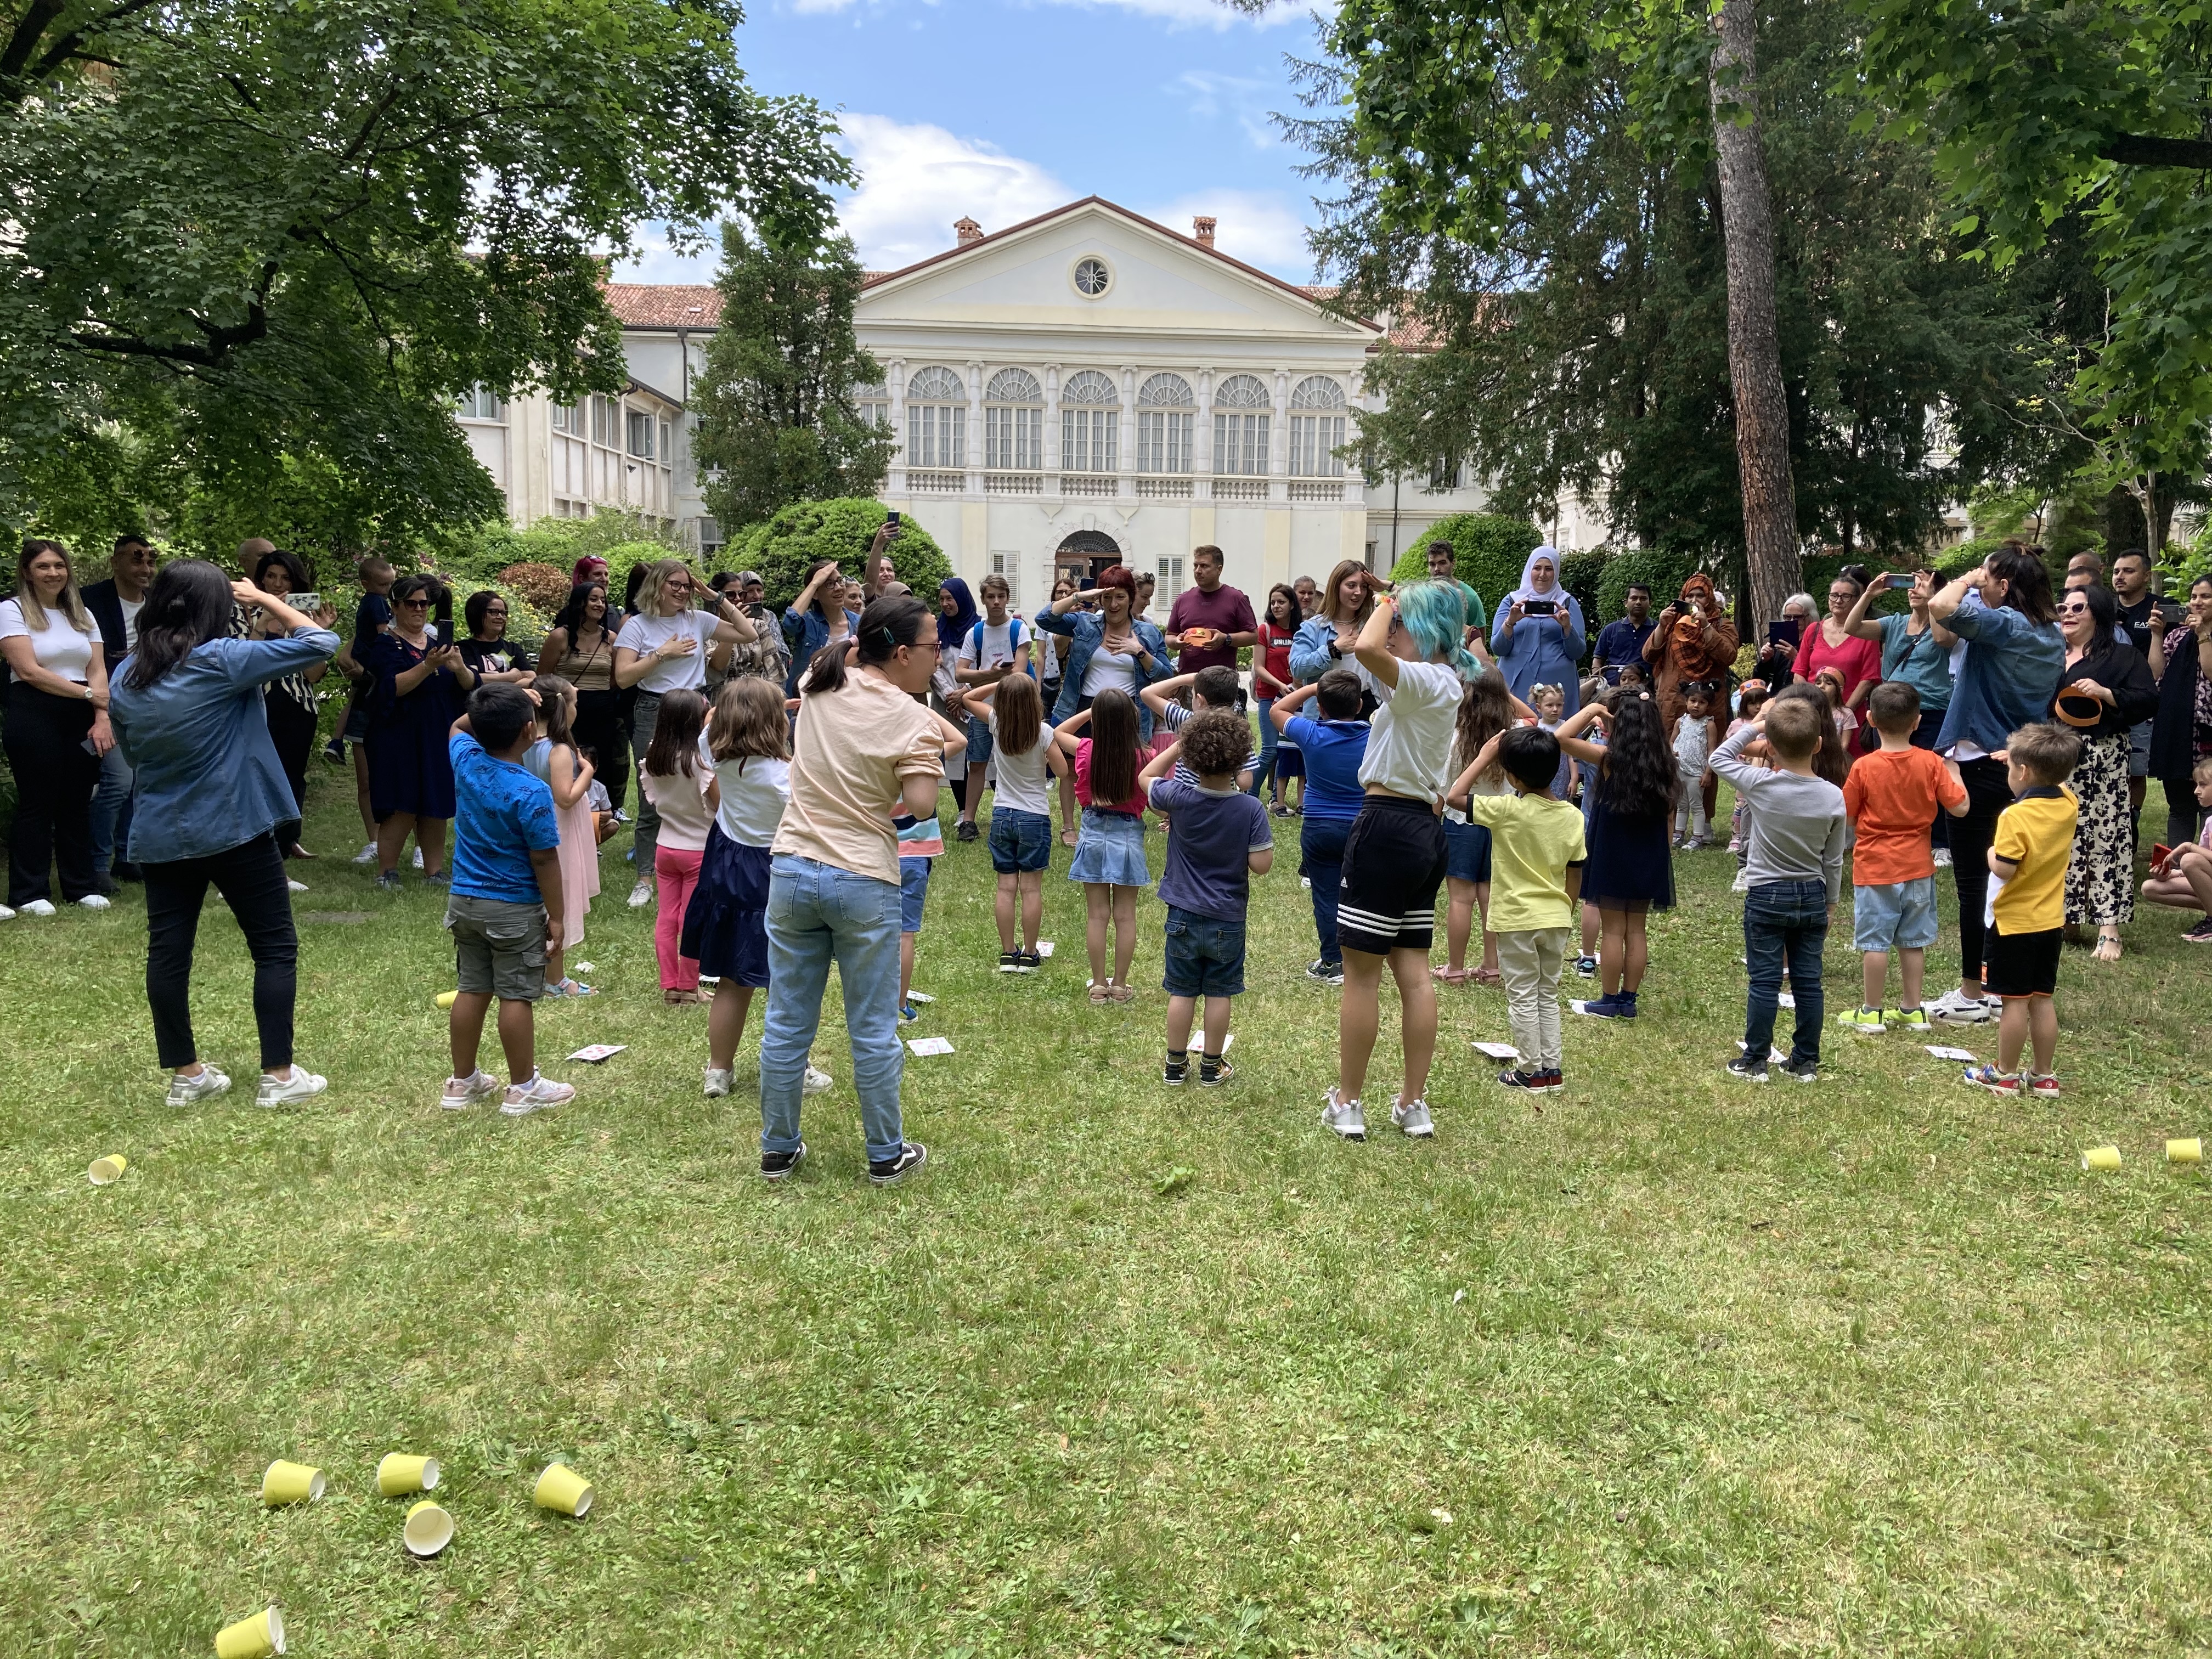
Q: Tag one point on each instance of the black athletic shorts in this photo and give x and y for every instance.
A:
(2022, 964)
(1394, 863)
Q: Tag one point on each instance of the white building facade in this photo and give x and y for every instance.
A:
(1083, 389)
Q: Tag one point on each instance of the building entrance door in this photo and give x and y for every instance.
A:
(1083, 556)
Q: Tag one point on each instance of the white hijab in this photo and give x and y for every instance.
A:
(1528, 590)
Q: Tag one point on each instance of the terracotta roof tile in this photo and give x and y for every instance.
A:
(664, 305)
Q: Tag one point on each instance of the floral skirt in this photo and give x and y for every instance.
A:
(2100, 878)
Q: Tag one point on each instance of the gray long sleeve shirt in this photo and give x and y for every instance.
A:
(1796, 821)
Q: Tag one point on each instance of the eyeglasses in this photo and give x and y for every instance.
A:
(2073, 610)
(415, 604)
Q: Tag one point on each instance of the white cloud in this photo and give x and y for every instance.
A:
(1260, 227)
(655, 261)
(1245, 101)
(916, 180)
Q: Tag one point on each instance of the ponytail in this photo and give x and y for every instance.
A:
(187, 604)
(888, 622)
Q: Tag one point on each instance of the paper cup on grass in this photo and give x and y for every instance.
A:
(561, 1488)
(2106, 1158)
(447, 999)
(398, 1474)
(250, 1638)
(2177, 1152)
(429, 1529)
(290, 1483)
(107, 1172)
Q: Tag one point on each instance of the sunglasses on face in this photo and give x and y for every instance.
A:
(415, 604)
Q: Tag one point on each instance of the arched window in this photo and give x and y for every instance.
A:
(1014, 422)
(1316, 428)
(1165, 409)
(936, 419)
(1090, 424)
(1240, 433)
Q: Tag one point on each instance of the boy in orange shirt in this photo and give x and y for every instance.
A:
(1892, 795)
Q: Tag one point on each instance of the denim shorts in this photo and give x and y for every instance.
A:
(979, 741)
(1204, 956)
(1899, 915)
(913, 887)
(1019, 839)
(1467, 851)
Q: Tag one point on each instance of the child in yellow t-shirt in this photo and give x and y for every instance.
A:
(1536, 855)
(2034, 841)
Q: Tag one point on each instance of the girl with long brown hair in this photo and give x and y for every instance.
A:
(1021, 817)
(1110, 856)
(1485, 708)
(557, 760)
(748, 750)
(673, 780)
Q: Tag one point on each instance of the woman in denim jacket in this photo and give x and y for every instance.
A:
(1110, 648)
(1346, 600)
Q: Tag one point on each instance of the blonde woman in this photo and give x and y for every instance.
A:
(662, 648)
(56, 704)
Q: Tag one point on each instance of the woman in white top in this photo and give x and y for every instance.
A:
(56, 704)
(662, 648)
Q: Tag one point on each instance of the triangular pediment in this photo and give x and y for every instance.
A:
(1032, 276)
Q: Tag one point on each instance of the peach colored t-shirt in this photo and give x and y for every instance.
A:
(856, 746)
(1892, 795)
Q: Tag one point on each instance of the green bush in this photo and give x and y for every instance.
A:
(1488, 549)
(1662, 573)
(782, 548)
(1581, 575)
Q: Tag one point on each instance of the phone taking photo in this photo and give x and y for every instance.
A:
(1900, 579)
(443, 613)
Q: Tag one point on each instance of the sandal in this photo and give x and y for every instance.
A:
(1486, 976)
(1449, 975)
(1100, 994)
(2108, 948)
(569, 988)
(1120, 993)
(681, 999)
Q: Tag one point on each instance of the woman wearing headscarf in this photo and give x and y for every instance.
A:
(957, 617)
(1538, 636)
(1695, 641)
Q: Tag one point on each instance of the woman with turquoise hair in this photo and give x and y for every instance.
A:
(1410, 655)
(1538, 634)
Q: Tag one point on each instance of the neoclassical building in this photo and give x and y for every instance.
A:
(1083, 388)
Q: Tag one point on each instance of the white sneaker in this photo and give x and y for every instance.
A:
(191, 1091)
(6, 914)
(641, 895)
(1956, 1008)
(302, 1085)
(815, 1082)
(1345, 1117)
(463, 1092)
(94, 902)
(418, 857)
(296, 886)
(538, 1094)
(38, 907)
(1412, 1117)
(718, 1082)
(1943, 858)
(367, 855)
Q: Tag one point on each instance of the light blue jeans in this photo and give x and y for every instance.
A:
(816, 913)
(111, 812)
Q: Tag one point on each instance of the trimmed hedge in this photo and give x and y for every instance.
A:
(1488, 549)
(784, 546)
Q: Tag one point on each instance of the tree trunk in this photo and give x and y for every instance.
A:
(1762, 407)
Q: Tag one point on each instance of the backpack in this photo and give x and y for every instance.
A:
(1013, 642)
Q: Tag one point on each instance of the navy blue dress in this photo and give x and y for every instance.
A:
(409, 770)
(1630, 865)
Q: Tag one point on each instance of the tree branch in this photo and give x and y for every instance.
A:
(2136, 149)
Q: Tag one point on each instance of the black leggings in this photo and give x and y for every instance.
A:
(1988, 794)
(598, 727)
(292, 729)
(250, 878)
(55, 777)
(2181, 810)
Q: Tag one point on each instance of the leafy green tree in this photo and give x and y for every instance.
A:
(778, 423)
(783, 547)
(261, 235)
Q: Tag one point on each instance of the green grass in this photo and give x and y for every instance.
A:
(1692, 1368)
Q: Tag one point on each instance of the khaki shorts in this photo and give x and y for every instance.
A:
(500, 947)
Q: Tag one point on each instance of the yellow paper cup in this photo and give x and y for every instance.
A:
(107, 1172)
(561, 1488)
(447, 999)
(290, 1483)
(429, 1529)
(2101, 1157)
(2177, 1152)
(250, 1638)
(399, 1474)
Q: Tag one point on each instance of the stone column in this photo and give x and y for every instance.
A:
(1202, 437)
(1125, 454)
(894, 389)
(975, 481)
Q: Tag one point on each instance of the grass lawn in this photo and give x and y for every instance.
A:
(1665, 1365)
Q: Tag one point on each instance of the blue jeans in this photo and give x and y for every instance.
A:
(1321, 860)
(1785, 919)
(816, 913)
(1264, 770)
(111, 812)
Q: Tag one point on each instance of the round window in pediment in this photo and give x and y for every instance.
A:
(1092, 277)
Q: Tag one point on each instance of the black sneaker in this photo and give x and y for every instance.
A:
(334, 752)
(1532, 1081)
(1028, 961)
(2201, 933)
(1586, 966)
(1176, 1072)
(778, 1166)
(1326, 973)
(912, 1155)
(1009, 961)
(1750, 1070)
(967, 831)
(1800, 1071)
(1213, 1073)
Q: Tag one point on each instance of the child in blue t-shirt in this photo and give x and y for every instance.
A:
(1221, 840)
(505, 906)
(1332, 749)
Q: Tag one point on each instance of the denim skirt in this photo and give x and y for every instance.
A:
(1110, 847)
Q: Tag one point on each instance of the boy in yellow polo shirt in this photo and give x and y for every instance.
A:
(1536, 856)
(2034, 840)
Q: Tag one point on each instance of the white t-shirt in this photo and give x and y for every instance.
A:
(131, 610)
(1023, 778)
(754, 789)
(1109, 669)
(58, 647)
(647, 635)
(998, 646)
(1409, 742)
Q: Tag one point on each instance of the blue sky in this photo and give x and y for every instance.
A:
(1000, 110)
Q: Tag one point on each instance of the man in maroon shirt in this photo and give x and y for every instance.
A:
(1211, 605)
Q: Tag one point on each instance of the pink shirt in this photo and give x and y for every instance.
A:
(1857, 660)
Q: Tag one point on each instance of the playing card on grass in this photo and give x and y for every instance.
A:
(929, 1045)
(1497, 1050)
(596, 1052)
(1942, 1052)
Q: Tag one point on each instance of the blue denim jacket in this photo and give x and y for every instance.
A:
(1309, 657)
(806, 632)
(208, 776)
(2007, 680)
(1087, 628)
